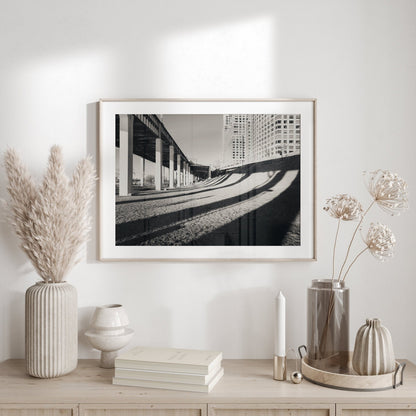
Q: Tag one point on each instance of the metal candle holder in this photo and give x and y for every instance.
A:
(279, 368)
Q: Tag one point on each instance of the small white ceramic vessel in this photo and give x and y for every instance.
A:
(109, 332)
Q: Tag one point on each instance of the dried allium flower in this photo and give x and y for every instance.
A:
(344, 207)
(380, 241)
(388, 189)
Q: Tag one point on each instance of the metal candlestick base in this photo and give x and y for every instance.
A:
(279, 368)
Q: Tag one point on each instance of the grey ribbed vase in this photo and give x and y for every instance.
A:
(51, 329)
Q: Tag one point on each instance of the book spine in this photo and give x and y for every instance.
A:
(172, 368)
(156, 385)
(162, 376)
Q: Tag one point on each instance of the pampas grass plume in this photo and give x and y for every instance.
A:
(51, 219)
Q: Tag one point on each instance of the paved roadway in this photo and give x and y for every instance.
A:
(186, 215)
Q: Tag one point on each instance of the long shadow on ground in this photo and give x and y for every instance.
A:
(145, 226)
(266, 226)
(290, 162)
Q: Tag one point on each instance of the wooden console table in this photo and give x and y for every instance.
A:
(247, 389)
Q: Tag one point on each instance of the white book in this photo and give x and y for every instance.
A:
(170, 359)
(165, 376)
(201, 388)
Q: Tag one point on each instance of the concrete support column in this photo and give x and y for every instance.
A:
(141, 170)
(171, 166)
(178, 170)
(158, 168)
(126, 155)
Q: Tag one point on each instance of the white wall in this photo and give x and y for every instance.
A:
(356, 57)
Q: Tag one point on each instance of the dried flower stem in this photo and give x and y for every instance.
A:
(389, 191)
(324, 336)
(51, 219)
(352, 239)
(355, 259)
(335, 246)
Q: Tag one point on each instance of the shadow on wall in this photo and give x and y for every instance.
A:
(17, 324)
(244, 315)
(161, 317)
(236, 55)
(93, 149)
(84, 320)
(178, 50)
(183, 58)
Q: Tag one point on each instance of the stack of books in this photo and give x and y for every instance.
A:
(169, 368)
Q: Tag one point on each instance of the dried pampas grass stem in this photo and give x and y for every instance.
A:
(51, 219)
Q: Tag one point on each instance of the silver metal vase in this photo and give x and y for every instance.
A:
(328, 325)
(51, 329)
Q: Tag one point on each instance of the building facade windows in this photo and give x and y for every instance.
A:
(249, 138)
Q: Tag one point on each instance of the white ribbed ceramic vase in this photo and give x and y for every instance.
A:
(51, 329)
(373, 351)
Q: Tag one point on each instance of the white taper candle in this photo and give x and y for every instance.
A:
(280, 326)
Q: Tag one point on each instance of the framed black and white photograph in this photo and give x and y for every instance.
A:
(207, 179)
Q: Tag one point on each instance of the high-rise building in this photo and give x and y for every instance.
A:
(237, 138)
(275, 135)
(256, 137)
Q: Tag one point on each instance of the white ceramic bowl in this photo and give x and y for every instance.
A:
(109, 343)
(110, 319)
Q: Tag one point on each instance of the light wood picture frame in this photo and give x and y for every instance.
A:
(201, 180)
